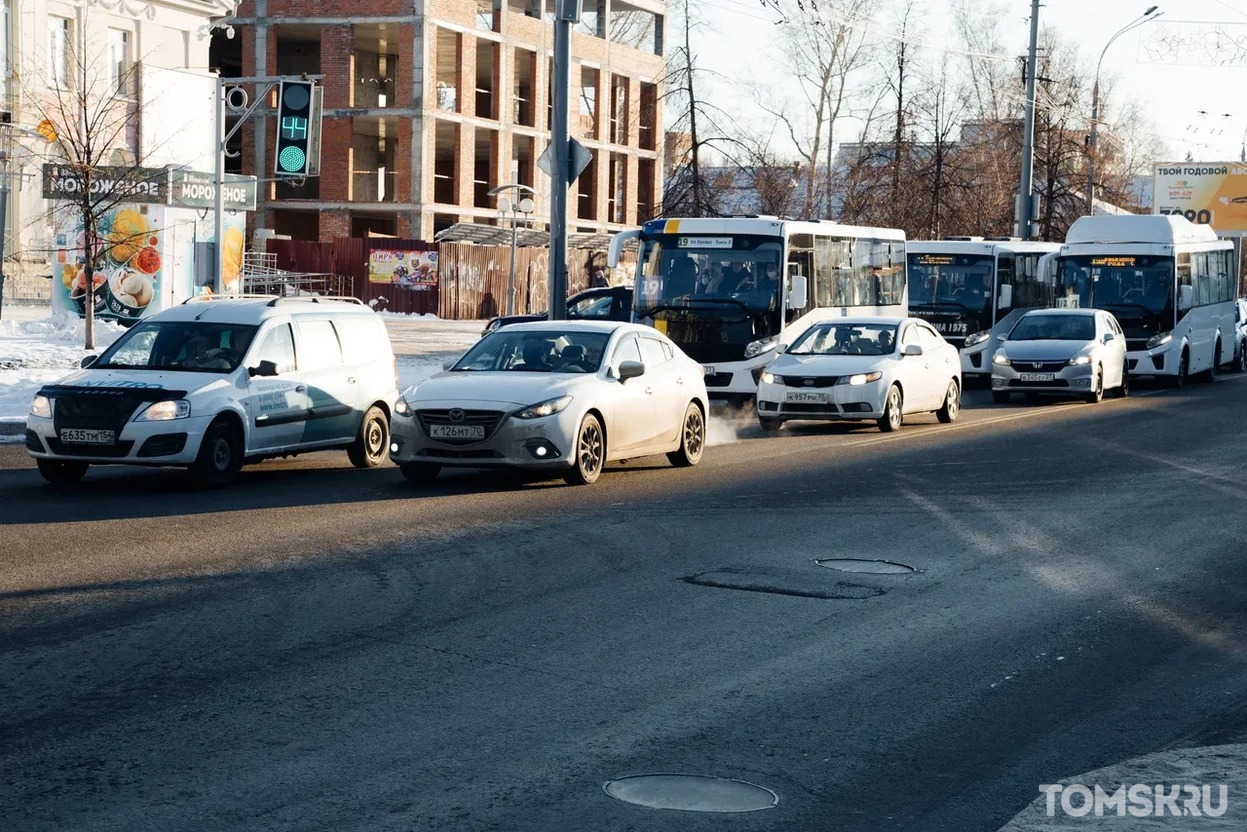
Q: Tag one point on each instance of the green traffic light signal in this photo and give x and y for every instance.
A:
(295, 128)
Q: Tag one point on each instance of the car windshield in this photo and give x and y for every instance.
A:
(1054, 328)
(180, 345)
(535, 351)
(846, 339)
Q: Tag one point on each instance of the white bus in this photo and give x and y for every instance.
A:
(714, 286)
(973, 289)
(1171, 285)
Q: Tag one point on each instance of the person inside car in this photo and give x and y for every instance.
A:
(536, 356)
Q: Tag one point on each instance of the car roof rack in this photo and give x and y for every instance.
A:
(316, 299)
(212, 298)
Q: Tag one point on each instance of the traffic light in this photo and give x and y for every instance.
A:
(298, 129)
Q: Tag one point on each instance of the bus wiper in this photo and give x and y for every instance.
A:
(945, 303)
(649, 312)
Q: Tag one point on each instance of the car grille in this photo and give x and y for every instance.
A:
(719, 380)
(810, 381)
(1018, 383)
(1136, 344)
(445, 453)
(488, 419)
(808, 408)
(1023, 366)
(103, 409)
(103, 451)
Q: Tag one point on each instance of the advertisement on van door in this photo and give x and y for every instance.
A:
(1207, 193)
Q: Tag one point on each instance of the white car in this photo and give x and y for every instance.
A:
(212, 384)
(1068, 352)
(566, 396)
(862, 368)
(1240, 336)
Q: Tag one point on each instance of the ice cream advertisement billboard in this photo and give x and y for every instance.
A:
(129, 263)
(1209, 193)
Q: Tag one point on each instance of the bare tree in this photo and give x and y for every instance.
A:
(90, 103)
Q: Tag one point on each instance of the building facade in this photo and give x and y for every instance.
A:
(428, 109)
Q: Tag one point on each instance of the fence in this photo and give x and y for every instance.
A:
(472, 280)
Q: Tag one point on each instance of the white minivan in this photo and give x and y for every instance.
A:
(213, 384)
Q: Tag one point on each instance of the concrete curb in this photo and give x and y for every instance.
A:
(1212, 766)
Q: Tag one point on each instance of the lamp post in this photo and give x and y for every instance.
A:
(521, 205)
(1151, 14)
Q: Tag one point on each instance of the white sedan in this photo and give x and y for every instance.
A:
(862, 368)
(566, 396)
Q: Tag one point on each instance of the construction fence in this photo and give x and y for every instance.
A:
(455, 281)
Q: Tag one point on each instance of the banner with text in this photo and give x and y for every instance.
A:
(1208, 193)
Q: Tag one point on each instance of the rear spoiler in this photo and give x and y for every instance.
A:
(617, 244)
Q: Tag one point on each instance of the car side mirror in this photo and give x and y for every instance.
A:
(88, 360)
(630, 369)
(1004, 336)
(1006, 297)
(264, 368)
(1108, 337)
(1185, 295)
(911, 349)
(798, 290)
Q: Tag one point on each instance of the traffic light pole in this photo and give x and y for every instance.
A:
(560, 167)
(225, 102)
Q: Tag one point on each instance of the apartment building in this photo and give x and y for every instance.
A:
(427, 109)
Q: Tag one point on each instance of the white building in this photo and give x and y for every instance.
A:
(119, 51)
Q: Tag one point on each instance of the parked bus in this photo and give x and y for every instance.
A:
(973, 289)
(729, 291)
(1170, 283)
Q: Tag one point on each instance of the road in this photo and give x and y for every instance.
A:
(325, 648)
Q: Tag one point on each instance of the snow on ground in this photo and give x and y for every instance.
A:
(38, 347)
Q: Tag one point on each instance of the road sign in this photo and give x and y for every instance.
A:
(578, 158)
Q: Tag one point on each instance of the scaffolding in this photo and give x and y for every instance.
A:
(260, 276)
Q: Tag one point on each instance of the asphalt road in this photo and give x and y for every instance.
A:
(325, 648)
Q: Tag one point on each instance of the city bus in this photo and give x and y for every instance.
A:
(1170, 283)
(973, 289)
(729, 291)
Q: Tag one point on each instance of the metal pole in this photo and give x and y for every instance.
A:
(511, 285)
(5, 171)
(1028, 133)
(566, 11)
(218, 197)
(1095, 119)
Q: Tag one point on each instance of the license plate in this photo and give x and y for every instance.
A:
(78, 436)
(806, 398)
(1037, 376)
(457, 431)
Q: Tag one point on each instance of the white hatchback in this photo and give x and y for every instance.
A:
(862, 368)
(1067, 352)
(564, 396)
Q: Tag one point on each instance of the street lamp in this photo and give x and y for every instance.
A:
(1150, 14)
(514, 206)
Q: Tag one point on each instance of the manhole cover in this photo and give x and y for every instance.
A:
(873, 567)
(691, 793)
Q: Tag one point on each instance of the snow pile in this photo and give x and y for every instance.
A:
(403, 316)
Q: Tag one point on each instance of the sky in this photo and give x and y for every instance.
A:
(1167, 66)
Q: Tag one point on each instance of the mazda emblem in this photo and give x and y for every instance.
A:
(455, 415)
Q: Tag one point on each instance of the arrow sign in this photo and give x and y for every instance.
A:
(578, 158)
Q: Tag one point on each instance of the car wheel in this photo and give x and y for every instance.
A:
(692, 439)
(419, 473)
(1240, 362)
(952, 404)
(769, 423)
(891, 419)
(1097, 388)
(589, 453)
(1000, 396)
(60, 472)
(1124, 390)
(220, 456)
(371, 447)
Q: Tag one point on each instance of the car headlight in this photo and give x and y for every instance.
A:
(41, 406)
(1159, 340)
(164, 411)
(860, 378)
(978, 337)
(1001, 359)
(755, 348)
(1079, 360)
(771, 378)
(401, 408)
(546, 408)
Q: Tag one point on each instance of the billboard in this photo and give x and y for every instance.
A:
(1208, 193)
(408, 269)
(129, 264)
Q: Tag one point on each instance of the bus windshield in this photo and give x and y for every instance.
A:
(713, 295)
(951, 280)
(1137, 288)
